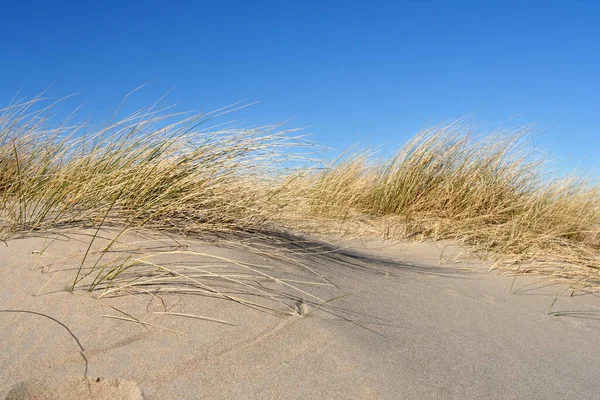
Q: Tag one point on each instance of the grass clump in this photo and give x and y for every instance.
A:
(488, 191)
(151, 171)
(171, 172)
(145, 170)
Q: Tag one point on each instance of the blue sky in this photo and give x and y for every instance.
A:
(373, 70)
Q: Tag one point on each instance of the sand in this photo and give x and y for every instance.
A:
(402, 326)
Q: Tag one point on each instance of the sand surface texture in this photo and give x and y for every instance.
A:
(401, 326)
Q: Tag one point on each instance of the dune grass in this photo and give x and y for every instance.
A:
(152, 170)
(145, 170)
(488, 191)
(173, 172)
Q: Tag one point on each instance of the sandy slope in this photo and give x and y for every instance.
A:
(408, 329)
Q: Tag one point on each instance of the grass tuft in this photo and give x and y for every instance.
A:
(488, 191)
(174, 173)
(145, 170)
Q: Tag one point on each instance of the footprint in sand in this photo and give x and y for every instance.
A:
(71, 388)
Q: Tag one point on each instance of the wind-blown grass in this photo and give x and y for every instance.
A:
(141, 171)
(170, 172)
(150, 170)
(488, 191)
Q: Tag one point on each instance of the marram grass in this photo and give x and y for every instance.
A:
(177, 176)
(173, 173)
(487, 191)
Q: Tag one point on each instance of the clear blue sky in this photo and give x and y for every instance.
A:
(349, 70)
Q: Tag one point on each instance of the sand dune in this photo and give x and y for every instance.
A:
(401, 326)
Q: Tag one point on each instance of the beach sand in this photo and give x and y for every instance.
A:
(401, 326)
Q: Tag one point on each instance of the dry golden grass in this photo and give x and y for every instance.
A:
(168, 172)
(142, 171)
(486, 191)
